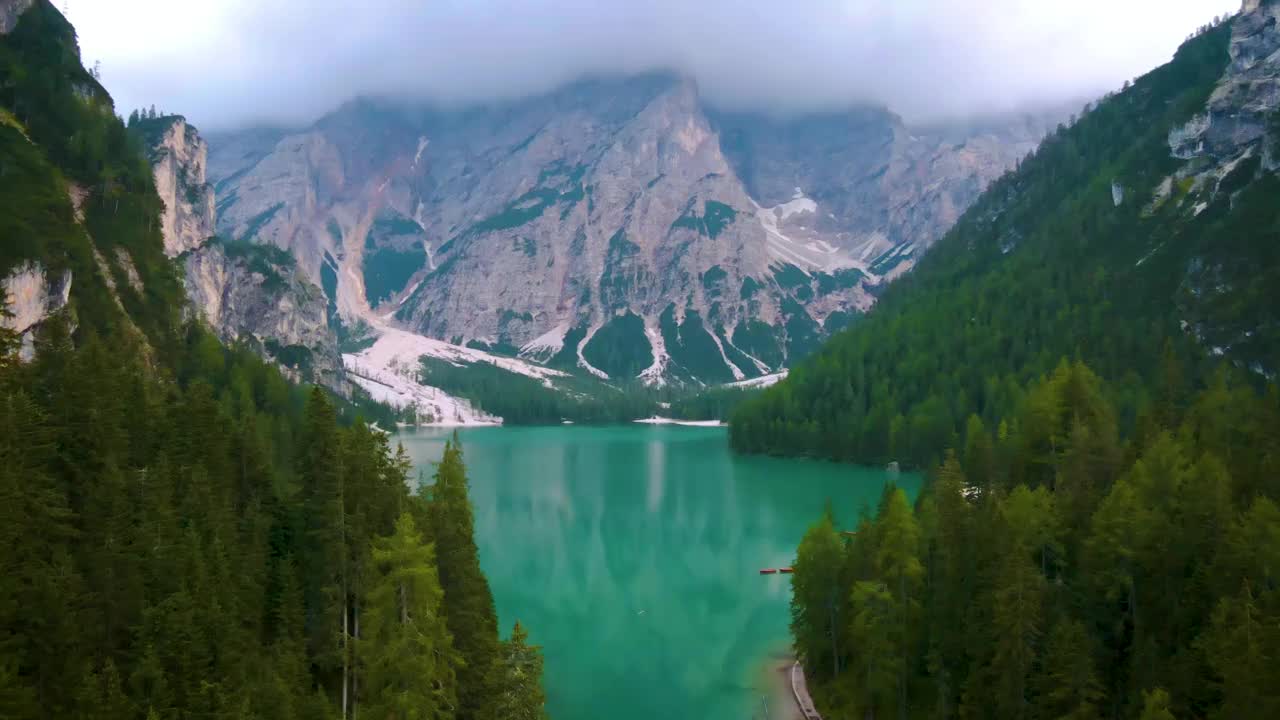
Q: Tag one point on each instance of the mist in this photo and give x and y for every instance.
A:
(241, 62)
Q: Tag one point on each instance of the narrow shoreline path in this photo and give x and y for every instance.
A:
(800, 690)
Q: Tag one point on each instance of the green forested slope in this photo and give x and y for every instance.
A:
(1044, 266)
(1084, 367)
(1056, 572)
(184, 534)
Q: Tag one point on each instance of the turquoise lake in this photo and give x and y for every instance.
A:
(632, 553)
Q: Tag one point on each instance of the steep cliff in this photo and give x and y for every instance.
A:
(246, 293)
(179, 156)
(617, 227)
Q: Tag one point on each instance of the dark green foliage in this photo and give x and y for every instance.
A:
(522, 400)
(470, 613)
(329, 282)
(623, 275)
(841, 280)
(715, 218)
(556, 185)
(259, 220)
(273, 263)
(736, 356)
(567, 357)
(838, 320)
(790, 277)
(712, 279)
(620, 347)
(715, 403)
(749, 287)
(691, 347)
(760, 340)
(184, 534)
(804, 335)
(1053, 572)
(391, 225)
(387, 271)
(520, 676)
(57, 126)
(1044, 266)
(297, 357)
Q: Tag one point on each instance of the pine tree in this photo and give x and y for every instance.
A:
(520, 679)
(409, 662)
(324, 558)
(1155, 705)
(1068, 687)
(1243, 645)
(473, 619)
(817, 598)
(898, 566)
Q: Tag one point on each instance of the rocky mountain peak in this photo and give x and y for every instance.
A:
(618, 226)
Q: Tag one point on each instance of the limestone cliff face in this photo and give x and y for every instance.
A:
(1241, 111)
(246, 293)
(33, 295)
(1230, 150)
(619, 226)
(179, 157)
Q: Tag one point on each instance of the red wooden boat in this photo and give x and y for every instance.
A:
(784, 570)
(768, 571)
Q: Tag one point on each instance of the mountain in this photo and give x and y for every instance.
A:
(1139, 239)
(618, 226)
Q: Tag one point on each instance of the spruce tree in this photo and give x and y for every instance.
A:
(818, 597)
(407, 654)
(519, 682)
(473, 619)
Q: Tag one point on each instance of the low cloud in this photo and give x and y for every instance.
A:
(239, 62)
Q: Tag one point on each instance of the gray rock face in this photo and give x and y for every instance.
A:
(10, 11)
(32, 296)
(1229, 148)
(246, 293)
(618, 226)
(178, 159)
(250, 294)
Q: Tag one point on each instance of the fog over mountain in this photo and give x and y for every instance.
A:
(239, 62)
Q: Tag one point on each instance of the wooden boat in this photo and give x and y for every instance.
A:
(785, 571)
(768, 571)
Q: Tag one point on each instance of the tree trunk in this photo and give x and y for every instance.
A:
(355, 674)
(344, 655)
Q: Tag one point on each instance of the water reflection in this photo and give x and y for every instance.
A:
(633, 556)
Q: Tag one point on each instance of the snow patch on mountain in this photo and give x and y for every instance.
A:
(763, 381)
(547, 344)
(653, 376)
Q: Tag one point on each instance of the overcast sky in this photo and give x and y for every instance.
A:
(226, 63)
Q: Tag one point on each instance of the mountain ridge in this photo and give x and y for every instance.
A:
(604, 199)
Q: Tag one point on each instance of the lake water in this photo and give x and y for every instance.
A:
(632, 553)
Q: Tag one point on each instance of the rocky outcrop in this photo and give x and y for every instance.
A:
(32, 295)
(617, 226)
(246, 293)
(178, 158)
(10, 11)
(1242, 110)
(252, 295)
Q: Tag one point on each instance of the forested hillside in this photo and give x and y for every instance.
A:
(1057, 572)
(1090, 545)
(1109, 245)
(184, 534)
